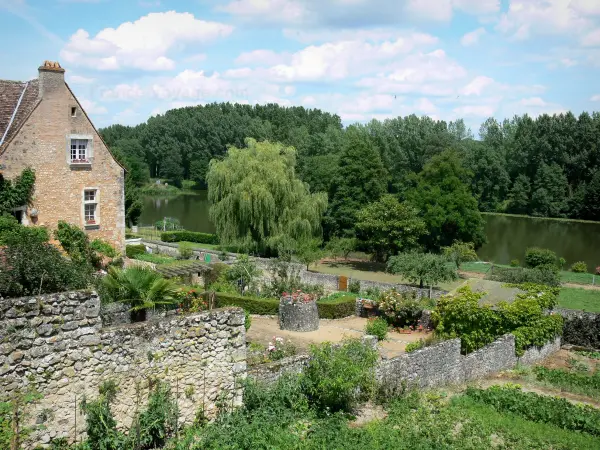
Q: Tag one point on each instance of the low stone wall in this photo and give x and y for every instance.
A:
(439, 365)
(298, 317)
(57, 345)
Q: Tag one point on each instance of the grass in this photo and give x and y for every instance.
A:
(156, 259)
(565, 276)
(582, 299)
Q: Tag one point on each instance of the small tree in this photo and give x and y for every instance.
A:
(387, 227)
(421, 268)
(460, 252)
(337, 247)
(309, 252)
(244, 271)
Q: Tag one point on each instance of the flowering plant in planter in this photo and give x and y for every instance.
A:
(297, 297)
(90, 221)
(367, 303)
(191, 300)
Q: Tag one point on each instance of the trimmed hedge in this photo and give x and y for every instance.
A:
(133, 250)
(254, 305)
(337, 308)
(189, 236)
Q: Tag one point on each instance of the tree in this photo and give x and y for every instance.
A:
(422, 268)
(387, 227)
(549, 198)
(460, 252)
(590, 208)
(447, 206)
(361, 180)
(244, 271)
(254, 193)
(341, 247)
(309, 251)
(518, 202)
(139, 287)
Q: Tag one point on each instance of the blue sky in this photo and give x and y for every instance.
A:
(129, 59)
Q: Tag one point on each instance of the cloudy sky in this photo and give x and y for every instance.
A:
(129, 59)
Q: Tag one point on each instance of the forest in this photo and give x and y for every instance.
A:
(546, 167)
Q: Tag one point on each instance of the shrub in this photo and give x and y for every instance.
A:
(11, 231)
(354, 286)
(101, 426)
(402, 308)
(279, 348)
(158, 421)
(430, 340)
(514, 263)
(547, 275)
(76, 243)
(539, 408)
(247, 320)
(583, 331)
(535, 257)
(337, 307)
(336, 378)
(189, 236)
(103, 247)
(133, 250)
(254, 305)
(186, 250)
(377, 327)
(579, 267)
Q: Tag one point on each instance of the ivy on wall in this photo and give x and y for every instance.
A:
(17, 192)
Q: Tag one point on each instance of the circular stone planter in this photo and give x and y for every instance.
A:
(298, 316)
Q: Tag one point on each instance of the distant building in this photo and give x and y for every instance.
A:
(43, 126)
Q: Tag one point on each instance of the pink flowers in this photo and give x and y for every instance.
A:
(598, 270)
(278, 342)
(297, 297)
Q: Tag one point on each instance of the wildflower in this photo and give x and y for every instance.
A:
(271, 347)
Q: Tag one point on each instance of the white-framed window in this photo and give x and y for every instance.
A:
(91, 211)
(79, 149)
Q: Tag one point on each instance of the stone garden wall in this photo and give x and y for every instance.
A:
(57, 345)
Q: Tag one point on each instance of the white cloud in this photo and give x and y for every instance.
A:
(475, 111)
(143, 44)
(438, 10)
(526, 18)
(91, 107)
(472, 37)
(278, 11)
(592, 39)
(77, 79)
(595, 98)
(478, 7)
(127, 117)
(426, 106)
(200, 57)
(533, 101)
(123, 92)
(477, 86)
(262, 57)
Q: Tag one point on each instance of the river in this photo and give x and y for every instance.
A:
(508, 237)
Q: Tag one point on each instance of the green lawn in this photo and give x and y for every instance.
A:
(583, 299)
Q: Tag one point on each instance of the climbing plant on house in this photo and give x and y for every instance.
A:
(16, 193)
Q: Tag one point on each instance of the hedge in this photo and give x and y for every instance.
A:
(582, 331)
(133, 250)
(189, 236)
(337, 308)
(254, 305)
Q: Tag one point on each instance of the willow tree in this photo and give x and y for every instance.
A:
(256, 197)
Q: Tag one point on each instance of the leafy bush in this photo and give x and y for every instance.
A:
(101, 426)
(11, 231)
(189, 236)
(477, 325)
(133, 250)
(514, 263)
(535, 257)
(337, 307)
(547, 275)
(538, 408)
(285, 277)
(354, 286)
(76, 243)
(336, 378)
(33, 267)
(377, 327)
(583, 331)
(254, 305)
(159, 419)
(402, 308)
(372, 293)
(279, 348)
(579, 267)
(186, 250)
(103, 247)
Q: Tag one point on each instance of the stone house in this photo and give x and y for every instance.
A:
(43, 126)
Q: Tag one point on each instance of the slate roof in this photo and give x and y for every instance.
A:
(10, 92)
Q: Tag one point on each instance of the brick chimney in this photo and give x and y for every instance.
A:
(51, 76)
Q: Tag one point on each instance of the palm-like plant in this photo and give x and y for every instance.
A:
(140, 287)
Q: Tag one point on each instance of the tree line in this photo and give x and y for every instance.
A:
(545, 167)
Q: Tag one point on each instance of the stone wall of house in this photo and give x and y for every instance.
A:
(43, 144)
(57, 345)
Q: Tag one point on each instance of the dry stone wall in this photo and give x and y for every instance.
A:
(56, 344)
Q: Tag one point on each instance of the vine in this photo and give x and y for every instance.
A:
(17, 192)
